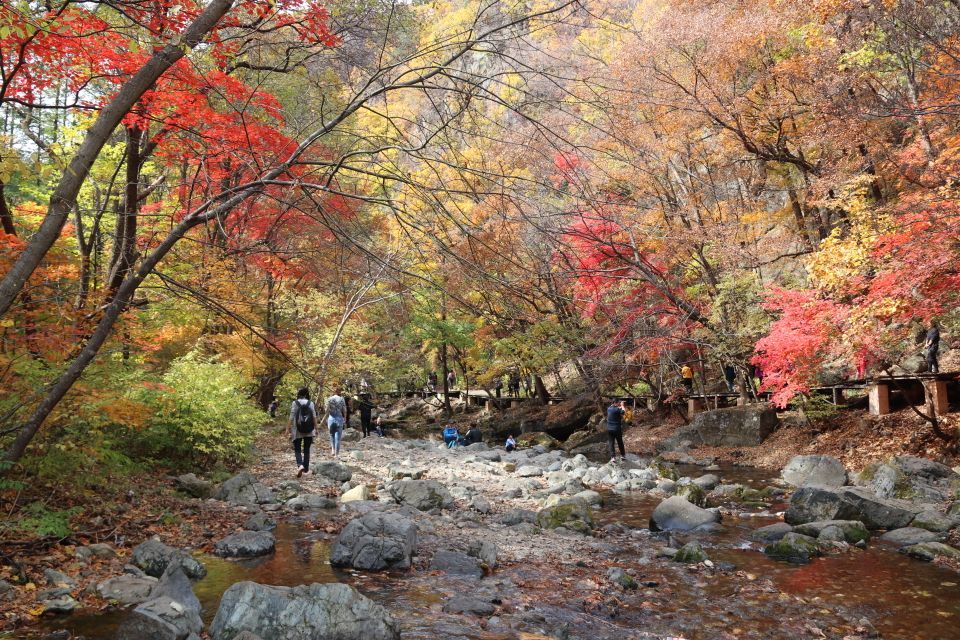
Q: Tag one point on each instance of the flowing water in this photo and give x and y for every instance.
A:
(904, 599)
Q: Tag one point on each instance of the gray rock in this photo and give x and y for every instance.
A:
(620, 577)
(480, 504)
(399, 471)
(793, 547)
(570, 514)
(485, 552)
(590, 497)
(311, 502)
(707, 482)
(635, 484)
(851, 531)
(771, 532)
(7, 591)
(288, 489)
(153, 557)
(97, 550)
(243, 488)
(421, 494)
(679, 514)
(332, 470)
(516, 516)
(307, 612)
(246, 544)
(908, 536)
(469, 605)
(690, 553)
(456, 563)
(126, 589)
(930, 551)
(529, 471)
(933, 521)
(190, 484)
(819, 470)
(489, 456)
(172, 611)
(877, 513)
(888, 482)
(59, 606)
(58, 579)
(374, 542)
(260, 521)
(745, 426)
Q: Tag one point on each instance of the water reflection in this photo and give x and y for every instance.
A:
(903, 598)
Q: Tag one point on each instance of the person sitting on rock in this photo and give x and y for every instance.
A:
(451, 436)
(511, 443)
(473, 435)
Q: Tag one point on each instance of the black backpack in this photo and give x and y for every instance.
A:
(304, 418)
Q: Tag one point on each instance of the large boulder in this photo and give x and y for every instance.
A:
(567, 513)
(421, 494)
(746, 426)
(126, 589)
(456, 563)
(243, 488)
(332, 470)
(851, 531)
(246, 544)
(813, 503)
(824, 471)
(930, 551)
(306, 612)
(359, 493)
(679, 514)
(311, 502)
(153, 557)
(793, 547)
(190, 484)
(908, 536)
(771, 532)
(374, 542)
(909, 477)
(876, 512)
(172, 611)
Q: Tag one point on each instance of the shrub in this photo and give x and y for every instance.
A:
(200, 415)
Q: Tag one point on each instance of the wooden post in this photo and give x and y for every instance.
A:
(936, 394)
(694, 405)
(879, 399)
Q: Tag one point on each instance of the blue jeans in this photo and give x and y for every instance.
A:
(303, 460)
(335, 426)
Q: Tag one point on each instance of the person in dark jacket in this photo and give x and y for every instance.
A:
(932, 347)
(615, 413)
(365, 406)
(473, 435)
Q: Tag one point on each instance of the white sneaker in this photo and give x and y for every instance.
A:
(612, 460)
(307, 472)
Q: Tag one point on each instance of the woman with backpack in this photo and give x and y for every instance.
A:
(303, 429)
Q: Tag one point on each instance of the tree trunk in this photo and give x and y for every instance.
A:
(6, 218)
(125, 244)
(542, 394)
(64, 196)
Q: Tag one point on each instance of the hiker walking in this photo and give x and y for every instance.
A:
(365, 406)
(686, 376)
(274, 404)
(932, 347)
(729, 376)
(451, 380)
(515, 384)
(498, 386)
(615, 414)
(336, 415)
(303, 429)
(432, 382)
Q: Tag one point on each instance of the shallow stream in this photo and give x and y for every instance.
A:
(904, 599)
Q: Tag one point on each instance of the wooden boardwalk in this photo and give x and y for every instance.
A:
(877, 389)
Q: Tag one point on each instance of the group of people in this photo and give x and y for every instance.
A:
(305, 419)
(513, 385)
(432, 381)
(453, 438)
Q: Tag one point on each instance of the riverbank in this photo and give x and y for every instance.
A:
(532, 544)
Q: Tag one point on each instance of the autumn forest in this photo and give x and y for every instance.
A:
(208, 204)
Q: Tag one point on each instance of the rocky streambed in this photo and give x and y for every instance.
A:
(402, 538)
